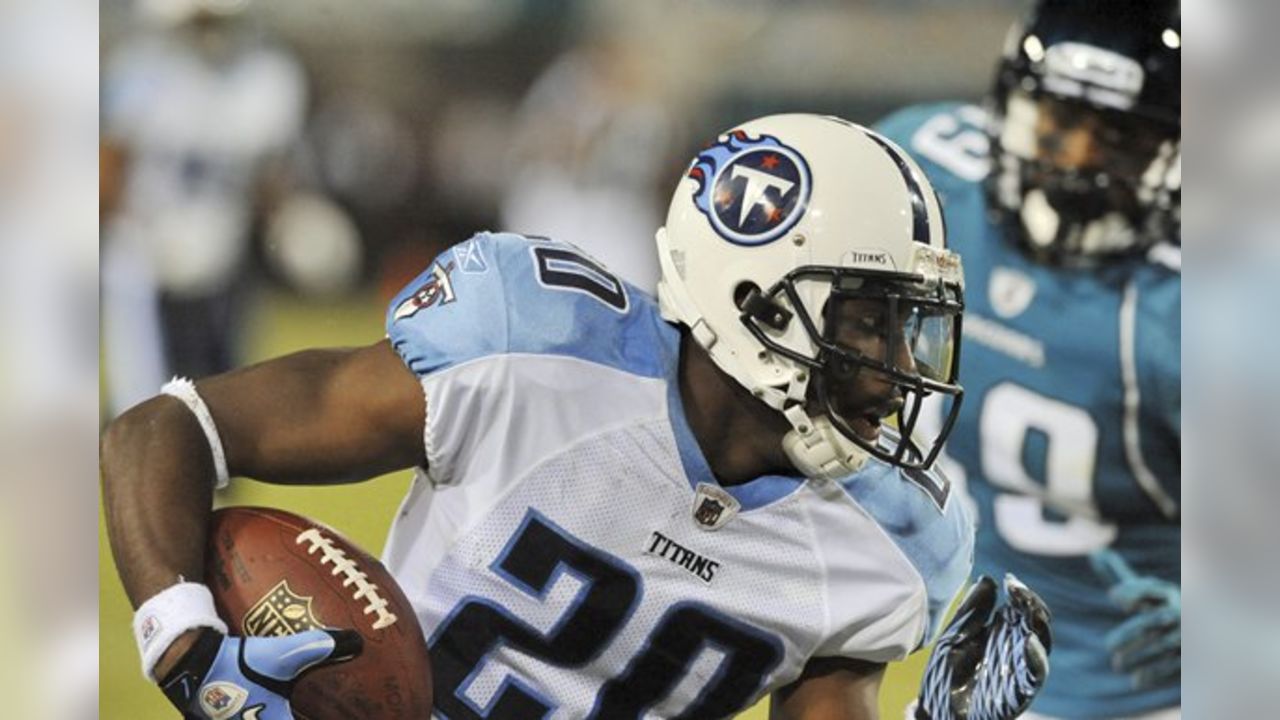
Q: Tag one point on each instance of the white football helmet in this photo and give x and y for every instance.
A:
(805, 247)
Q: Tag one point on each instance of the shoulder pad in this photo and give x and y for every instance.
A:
(937, 539)
(505, 293)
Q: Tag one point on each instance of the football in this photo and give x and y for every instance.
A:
(276, 573)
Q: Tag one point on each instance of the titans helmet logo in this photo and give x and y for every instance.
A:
(753, 190)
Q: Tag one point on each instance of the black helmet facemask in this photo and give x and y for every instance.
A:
(887, 341)
(1107, 71)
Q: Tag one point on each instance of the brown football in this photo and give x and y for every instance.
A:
(276, 573)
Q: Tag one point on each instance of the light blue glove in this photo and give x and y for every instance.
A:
(224, 677)
(1147, 646)
(991, 661)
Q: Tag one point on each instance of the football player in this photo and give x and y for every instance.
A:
(199, 110)
(1063, 197)
(623, 506)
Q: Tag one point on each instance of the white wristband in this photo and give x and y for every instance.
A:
(167, 615)
(185, 390)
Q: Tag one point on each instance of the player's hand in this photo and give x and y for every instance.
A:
(224, 677)
(1147, 646)
(992, 659)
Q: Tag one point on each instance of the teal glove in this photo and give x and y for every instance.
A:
(225, 678)
(1147, 646)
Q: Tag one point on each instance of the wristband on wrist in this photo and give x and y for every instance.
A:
(167, 615)
(185, 390)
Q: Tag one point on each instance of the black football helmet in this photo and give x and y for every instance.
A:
(1086, 129)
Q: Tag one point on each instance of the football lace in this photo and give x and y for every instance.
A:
(344, 565)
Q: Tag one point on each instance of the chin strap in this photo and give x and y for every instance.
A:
(817, 449)
(676, 306)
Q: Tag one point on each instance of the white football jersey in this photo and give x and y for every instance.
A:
(568, 550)
(197, 132)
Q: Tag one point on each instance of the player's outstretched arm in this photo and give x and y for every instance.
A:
(831, 689)
(1147, 646)
(319, 416)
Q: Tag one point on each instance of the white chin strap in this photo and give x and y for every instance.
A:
(817, 449)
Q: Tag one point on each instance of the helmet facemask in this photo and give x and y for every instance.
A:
(784, 220)
(884, 342)
(1082, 183)
(1086, 129)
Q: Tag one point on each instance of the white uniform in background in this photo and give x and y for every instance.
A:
(196, 129)
(576, 175)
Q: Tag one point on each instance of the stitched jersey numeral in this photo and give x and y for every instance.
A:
(534, 559)
(561, 268)
(1010, 414)
(956, 141)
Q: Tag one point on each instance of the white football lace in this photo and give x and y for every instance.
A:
(344, 565)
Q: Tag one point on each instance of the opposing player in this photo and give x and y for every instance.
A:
(623, 507)
(1063, 197)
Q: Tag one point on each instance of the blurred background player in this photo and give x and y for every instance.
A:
(197, 112)
(574, 175)
(1063, 198)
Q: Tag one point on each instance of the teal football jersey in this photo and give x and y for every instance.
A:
(1069, 437)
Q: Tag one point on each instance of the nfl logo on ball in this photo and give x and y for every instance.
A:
(281, 612)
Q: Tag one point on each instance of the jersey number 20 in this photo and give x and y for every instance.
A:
(537, 555)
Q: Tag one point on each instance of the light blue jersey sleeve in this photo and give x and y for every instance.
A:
(501, 293)
(500, 327)
(924, 515)
(447, 316)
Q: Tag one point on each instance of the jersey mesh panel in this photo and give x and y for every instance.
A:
(613, 492)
